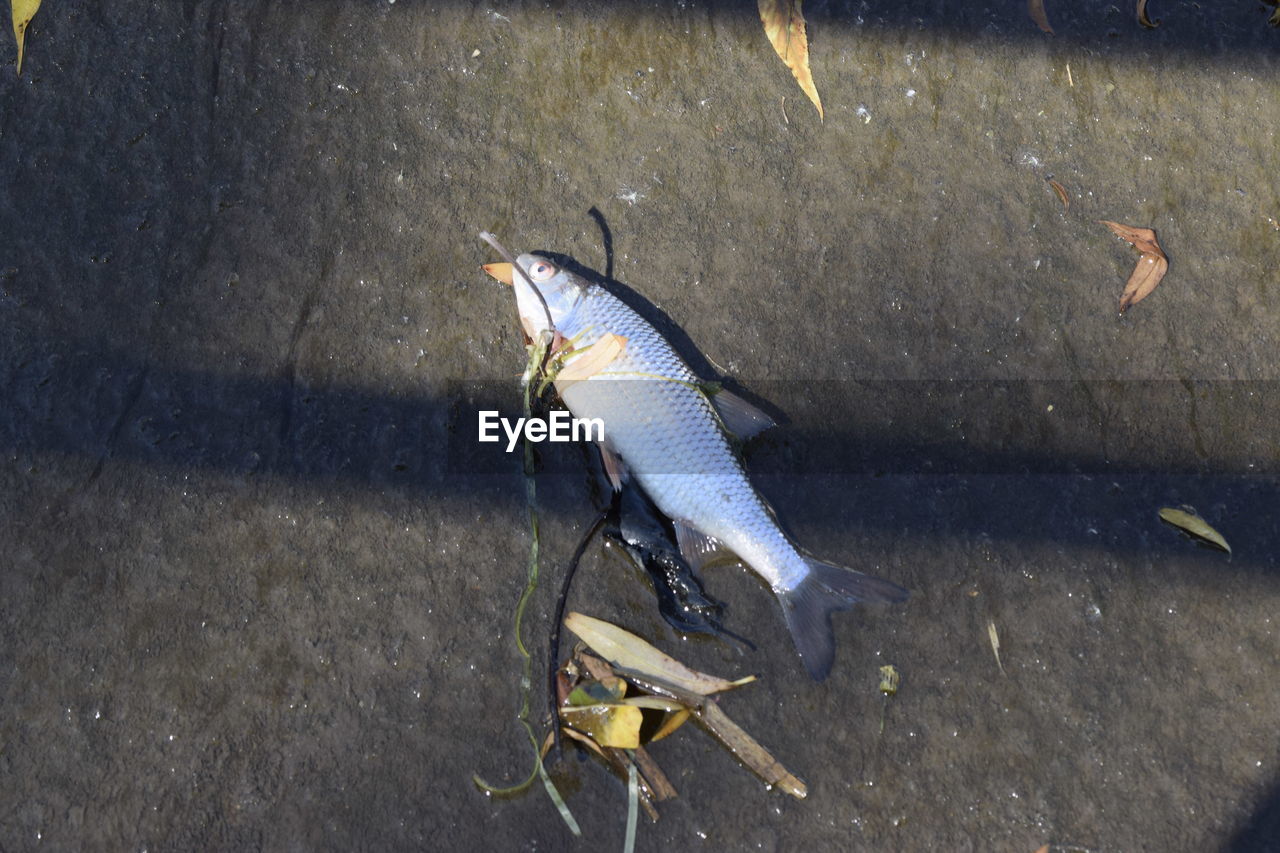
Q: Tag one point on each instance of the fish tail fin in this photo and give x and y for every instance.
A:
(826, 589)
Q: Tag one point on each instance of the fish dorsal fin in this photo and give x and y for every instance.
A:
(740, 417)
(699, 549)
(614, 468)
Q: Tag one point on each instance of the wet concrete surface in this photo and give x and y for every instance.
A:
(258, 588)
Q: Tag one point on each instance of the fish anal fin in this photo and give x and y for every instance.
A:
(614, 468)
(698, 549)
(826, 589)
(740, 417)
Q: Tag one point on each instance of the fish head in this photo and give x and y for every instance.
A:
(560, 290)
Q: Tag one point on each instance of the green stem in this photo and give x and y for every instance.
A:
(537, 352)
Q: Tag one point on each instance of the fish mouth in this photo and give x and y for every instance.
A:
(514, 268)
(502, 271)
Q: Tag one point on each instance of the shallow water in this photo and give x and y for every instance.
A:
(257, 593)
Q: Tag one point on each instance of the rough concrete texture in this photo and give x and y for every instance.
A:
(257, 596)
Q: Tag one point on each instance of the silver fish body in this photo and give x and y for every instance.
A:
(661, 422)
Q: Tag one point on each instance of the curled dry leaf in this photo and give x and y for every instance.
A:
(1146, 275)
(1151, 266)
(1142, 16)
(1035, 8)
(784, 27)
(1062, 195)
(23, 12)
(1142, 239)
(1194, 525)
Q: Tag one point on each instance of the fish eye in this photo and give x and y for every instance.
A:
(541, 270)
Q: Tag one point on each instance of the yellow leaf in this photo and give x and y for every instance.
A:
(23, 12)
(607, 725)
(628, 651)
(590, 361)
(784, 27)
(1195, 525)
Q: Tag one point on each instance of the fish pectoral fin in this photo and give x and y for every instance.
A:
(740, 417)
(699, 549)
(614, 468)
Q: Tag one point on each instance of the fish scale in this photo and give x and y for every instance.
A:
(657, 416)
(661, 423)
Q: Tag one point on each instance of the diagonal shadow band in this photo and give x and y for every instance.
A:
(1210, 442)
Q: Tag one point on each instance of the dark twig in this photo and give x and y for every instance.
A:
(553, 665)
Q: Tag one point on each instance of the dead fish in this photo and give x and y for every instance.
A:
(637, 527)
(662, 427)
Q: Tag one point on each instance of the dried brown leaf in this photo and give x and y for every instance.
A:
(590, 361)
(748, 750)
(1142, 239)
(1144, 278)
(1035, 8)
(784, 27)
(630, 652)
(1062, 195)
(1142, 16)
(1151, 267)
(617, 759)
(652, 773)
(585, 740)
